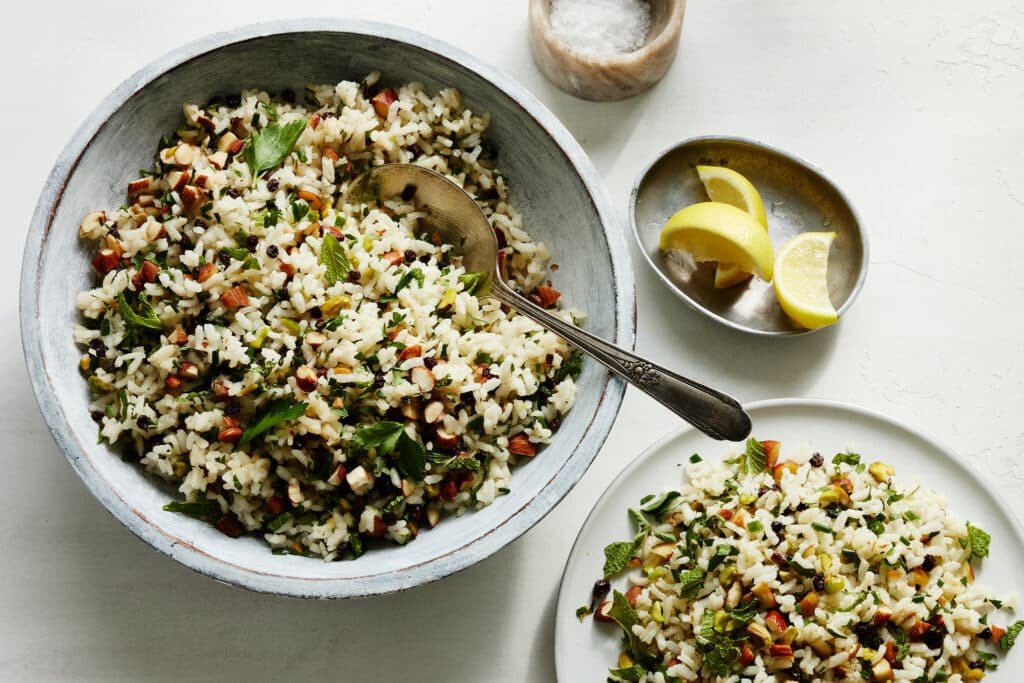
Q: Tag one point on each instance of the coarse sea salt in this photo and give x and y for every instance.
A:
(601, 28)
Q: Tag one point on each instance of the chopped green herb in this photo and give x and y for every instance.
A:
(267, 148)
(200, 509)
(408, 277)
(1012, 631)
(332, 256)
(755, 458)
(276, 412)
(616, 557)
(145, 317)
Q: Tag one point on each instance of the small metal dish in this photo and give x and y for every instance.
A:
(798, 198)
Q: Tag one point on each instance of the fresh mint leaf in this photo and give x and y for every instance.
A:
(755, 459)
(200, 509)
(145, 317)
(722, 552)
(690, 582)
(851, 459)
(412, 458)
(721, 658)
(899, 636)
(471, 282)
(745, 611)
(1012, 631)
(276, 412)
(623, 613)
(332, 256)
(277, 522)
(978, 541)
(659, 504)
(454, 462)
(616, 557)
(569, 368)
(381, 435)
(237, 253)
(408, 277)
(267, 148)
(627, 673)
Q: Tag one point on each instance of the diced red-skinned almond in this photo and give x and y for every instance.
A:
(218, 159)
(229, 526)
(177, 180)
(235, 297)
(337, 234)
(604, 612)
(230, 434)
(92, 225)
(311, 197)
(764, 595)
(286, 268)
(775, 622)
(140, 186)
(411, 351)
(395, 331)
(314, 121)
(771, 453)
(113, 245)
(433, 516)
(545, 296)
(890, 651)
(433, 411)
(780, 650)
(382, 101)
(172, 383)
(920, 628)
(444, 439)
(189, 370)
(179, 336)
(746, 655)
(192, 198)
(809, 603)
(221, 390)
(449, 489)
(201, 180)
(185, 154)
(520, 444)
(787, 465)
(632, 594)
(380, 527)
(845, 484)
(306, 378)
(330, 155)
(315, 339)
(206, 123)
(423, 378)
(338, 475)
(412, 410)
(275, 505)
(149, 271)
(725, 514)
(882, 615)
(224, 142)
(105, 261)
(882, 670)
(236, 146)
(392, 258)
(205, 272)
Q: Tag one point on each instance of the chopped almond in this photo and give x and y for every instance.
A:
(423, 378)
(192, 198)
(746, 655)
(306, 378)
(771, 453)
(918, 630)
(545, 297)
(392, 258)
(230, 434)
(92, 225)
(311, 197)
(632, 594)
(775, 622)
(140, 186)
(172, 383)
(411, 351)
(520, 444)
(179, 336)
(603, 612)
(382, 102)
(235, 297)
(809, 603)
(105, 261)
(205, 272)
(780, 650)
(433, 412)
(882, 615)
(218, 159)
(149, 271)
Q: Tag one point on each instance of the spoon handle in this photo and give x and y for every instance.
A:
(714, 413)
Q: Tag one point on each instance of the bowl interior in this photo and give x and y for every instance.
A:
(560, 206)
(797, 198)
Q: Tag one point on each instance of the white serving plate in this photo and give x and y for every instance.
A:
(584, 651)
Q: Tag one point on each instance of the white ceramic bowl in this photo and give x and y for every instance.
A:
(563, 201)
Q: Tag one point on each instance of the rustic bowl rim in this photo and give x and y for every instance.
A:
(669, 34)
(464, 553)
(862, 267)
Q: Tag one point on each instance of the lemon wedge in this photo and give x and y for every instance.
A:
(731, 187)
(713, 231)
(801, 279)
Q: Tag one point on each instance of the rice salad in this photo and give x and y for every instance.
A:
(767, 570)
(316, 371)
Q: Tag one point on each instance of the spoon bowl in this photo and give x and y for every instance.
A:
(458, 220)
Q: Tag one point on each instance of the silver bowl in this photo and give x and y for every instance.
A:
(798, 198)
(563, 201)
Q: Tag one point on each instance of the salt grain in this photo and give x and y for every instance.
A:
(601, 28)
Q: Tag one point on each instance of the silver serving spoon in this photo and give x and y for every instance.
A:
(455, 216)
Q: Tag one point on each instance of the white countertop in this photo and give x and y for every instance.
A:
(914, 108)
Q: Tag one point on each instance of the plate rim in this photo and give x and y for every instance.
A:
(794, 402)
(223, 569)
